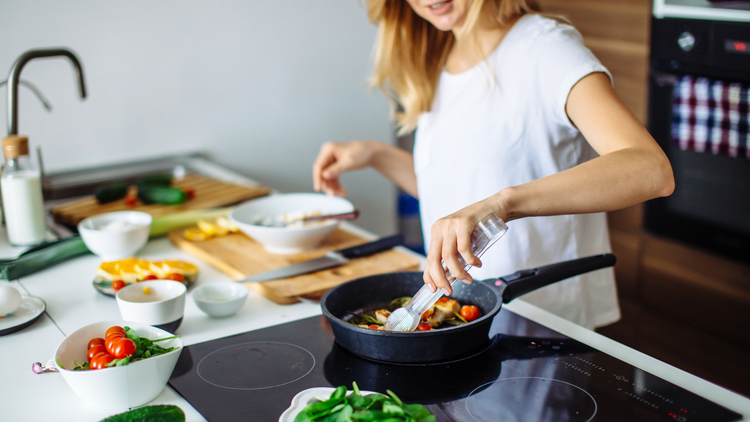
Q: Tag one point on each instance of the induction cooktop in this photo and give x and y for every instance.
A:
(524, 372)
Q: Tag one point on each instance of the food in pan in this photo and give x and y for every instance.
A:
(445, 313)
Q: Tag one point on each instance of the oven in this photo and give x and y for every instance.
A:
(703, 46)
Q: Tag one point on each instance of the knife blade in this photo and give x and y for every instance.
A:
(329, 260)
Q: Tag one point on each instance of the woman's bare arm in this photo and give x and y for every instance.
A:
(632, 168)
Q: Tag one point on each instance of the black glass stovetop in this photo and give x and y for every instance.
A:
(524, 373)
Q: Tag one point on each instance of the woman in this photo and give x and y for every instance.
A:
(515, 116)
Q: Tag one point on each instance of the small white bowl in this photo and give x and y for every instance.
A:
(102, 236)
(120, 387)
(220, 300)
(285, 240)
(160, 303)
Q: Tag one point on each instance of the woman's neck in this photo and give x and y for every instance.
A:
(467, 53)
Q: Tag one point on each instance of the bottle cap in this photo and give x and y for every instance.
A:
(15, 146)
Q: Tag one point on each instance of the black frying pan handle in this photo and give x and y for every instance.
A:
(525, 281)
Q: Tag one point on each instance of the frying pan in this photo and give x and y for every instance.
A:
(377, 291)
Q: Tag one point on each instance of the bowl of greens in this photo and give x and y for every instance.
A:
(132, 369)
(326, 403)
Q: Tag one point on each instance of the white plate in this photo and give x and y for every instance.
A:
(305, 397)
(30, 310)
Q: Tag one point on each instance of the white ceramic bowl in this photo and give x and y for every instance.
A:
(120, 387)
(220, 300)
(283, 240)
(160, 303)
(111, 244)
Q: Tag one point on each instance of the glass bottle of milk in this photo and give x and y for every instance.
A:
(21, 186)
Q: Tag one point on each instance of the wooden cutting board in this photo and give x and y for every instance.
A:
(240, 257)
(209, 193)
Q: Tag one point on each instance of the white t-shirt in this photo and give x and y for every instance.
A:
(484, 134)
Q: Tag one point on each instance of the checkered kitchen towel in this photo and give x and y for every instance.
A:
(711, 116)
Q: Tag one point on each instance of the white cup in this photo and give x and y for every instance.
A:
(159, 303)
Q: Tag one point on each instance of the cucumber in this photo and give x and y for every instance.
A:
(157, 413)
(111, 193)
(160, 195)
(157, 180)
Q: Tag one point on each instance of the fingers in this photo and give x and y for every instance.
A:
(324, 159)
(326, 170)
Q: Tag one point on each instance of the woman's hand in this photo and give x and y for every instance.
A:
(335, 159)
(451, 236)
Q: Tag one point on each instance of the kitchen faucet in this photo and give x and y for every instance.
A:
(15, 76)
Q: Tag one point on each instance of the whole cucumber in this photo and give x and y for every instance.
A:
(110, 193)
(161, 195)
(157, 413)
(157, 180)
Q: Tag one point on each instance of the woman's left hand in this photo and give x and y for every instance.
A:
(451, 236)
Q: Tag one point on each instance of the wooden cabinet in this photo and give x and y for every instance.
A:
(680, 304)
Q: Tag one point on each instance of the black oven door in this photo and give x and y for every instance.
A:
(710, 207)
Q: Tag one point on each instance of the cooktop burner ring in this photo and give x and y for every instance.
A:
(258, 365)
(500, 381)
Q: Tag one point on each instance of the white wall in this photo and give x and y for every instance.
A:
(258, 85)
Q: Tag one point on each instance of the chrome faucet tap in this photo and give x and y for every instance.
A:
(15, 76)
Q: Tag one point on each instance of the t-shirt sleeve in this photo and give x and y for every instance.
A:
(562, 61)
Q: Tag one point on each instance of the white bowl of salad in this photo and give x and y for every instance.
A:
(142, 375)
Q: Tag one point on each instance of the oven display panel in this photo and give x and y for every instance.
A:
(734, 46)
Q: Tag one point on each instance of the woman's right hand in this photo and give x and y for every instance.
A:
(335, 159)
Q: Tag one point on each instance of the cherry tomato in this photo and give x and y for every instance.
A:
(95, 341)
(100, 361)
(118, 284)
(150, 277)
(123, 348)
(443, 299)
(130, 200)
(111, 341)
(424, 326)
(96, 357)
(374, 326)
(190, 192)
(114, 329)
(99, 348)
(176, 277)
(469, 313)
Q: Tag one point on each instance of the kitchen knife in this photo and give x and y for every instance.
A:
(330, 260)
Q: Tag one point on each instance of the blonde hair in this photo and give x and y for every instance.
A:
(410, 52)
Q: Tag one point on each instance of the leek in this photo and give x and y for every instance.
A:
(48, 254)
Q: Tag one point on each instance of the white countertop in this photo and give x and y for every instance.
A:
(72, 302)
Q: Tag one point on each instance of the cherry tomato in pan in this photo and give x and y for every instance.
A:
(424, 326)
(114, 329)
(123, 348)
(469, 312)
(443, 299)
(96, 341)
(374, 326)
(99, 348)
(150, 277)
(130, 200)
(118, 284)
(176, 277)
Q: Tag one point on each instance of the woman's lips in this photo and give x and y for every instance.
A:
(440, 8)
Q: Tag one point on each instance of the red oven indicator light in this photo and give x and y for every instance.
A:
(740, 46)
